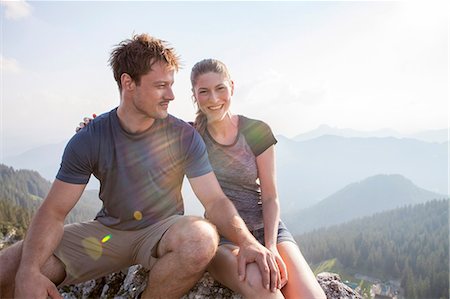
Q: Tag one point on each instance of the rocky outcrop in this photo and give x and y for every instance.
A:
(334, 288)
(130, 283)
(8, 236)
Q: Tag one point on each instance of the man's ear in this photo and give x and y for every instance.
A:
(127, 82)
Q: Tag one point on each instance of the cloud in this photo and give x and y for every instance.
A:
(9, 65)
(16, 9)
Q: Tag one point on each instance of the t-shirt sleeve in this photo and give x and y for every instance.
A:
(196, 156)
(76, 161)
(258, 135)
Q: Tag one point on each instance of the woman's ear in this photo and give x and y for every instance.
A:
(127, 82)
(193, 95)
(232, 86)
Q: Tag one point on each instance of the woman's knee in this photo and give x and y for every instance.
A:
(253, 285)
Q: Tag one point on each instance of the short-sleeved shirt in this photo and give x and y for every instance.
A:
(236, 169)
(140, 174)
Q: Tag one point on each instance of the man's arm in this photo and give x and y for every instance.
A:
(221, 211)
(43, 236)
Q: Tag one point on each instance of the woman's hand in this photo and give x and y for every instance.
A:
(85, 122)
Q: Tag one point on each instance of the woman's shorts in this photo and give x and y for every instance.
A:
(283, 235)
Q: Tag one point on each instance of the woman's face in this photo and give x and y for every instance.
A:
(213, 93)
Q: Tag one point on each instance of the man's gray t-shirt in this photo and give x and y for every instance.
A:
(236, 169)
(140, 174)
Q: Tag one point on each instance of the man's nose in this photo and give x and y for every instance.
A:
(169, 95)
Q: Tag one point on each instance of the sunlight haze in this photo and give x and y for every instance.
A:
(296, 65)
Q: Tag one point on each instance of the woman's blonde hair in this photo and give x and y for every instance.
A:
(202, 67)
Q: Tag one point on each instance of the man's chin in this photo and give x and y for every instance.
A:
(163, 115)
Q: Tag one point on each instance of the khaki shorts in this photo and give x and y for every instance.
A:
(91, 250)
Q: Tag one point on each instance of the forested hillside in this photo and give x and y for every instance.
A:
(410, 244)
(21, 193)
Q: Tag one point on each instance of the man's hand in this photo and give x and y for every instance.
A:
(266, 261)
(281, 266)
(33, 284)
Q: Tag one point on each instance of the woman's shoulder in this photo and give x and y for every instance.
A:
(247, 124)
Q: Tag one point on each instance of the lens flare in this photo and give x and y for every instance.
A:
(106, 238)
(137, 215)
(93, 247)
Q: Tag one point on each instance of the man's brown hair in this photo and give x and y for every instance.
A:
(136, 56)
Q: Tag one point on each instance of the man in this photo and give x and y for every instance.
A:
(140, 154)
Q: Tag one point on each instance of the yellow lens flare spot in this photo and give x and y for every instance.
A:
(92, 247)
(106, 238)
(137, 215)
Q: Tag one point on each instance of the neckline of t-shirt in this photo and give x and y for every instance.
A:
(155, 125)
(235, 139)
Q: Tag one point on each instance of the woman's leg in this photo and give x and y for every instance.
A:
(224, 269)
(301, 280)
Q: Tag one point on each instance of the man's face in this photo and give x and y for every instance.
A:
(153, 94)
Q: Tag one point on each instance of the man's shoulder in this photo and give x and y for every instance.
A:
(179, 124)
(93, 133)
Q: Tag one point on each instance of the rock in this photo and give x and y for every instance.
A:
(128, 284)
(334, 288)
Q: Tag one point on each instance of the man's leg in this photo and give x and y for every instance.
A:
(10, 261)
(183, 252)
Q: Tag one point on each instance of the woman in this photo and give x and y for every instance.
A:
(241, 151)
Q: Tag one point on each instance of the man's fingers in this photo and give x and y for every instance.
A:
(265, 272)
(242, 263)
(283, 272)
(53, 292)
(274, 273)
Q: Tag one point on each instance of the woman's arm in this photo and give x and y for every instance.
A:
(270, 205)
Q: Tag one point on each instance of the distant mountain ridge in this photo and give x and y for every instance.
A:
(439, 135)
(367, 197)
(308, 171)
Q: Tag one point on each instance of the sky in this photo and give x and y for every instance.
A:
(365, 65)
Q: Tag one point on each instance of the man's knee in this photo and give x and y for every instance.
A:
(9, 261)
(10, 258)
(198, 240)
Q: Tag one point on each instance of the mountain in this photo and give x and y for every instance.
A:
(27, 189)
(440, 135)
(46, 160)
(308, 171)
(374, 194)
(408, 244)
(328, 130)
